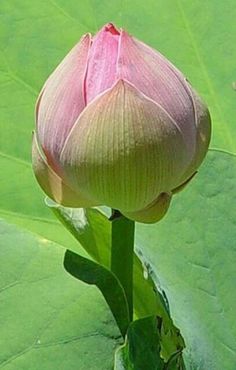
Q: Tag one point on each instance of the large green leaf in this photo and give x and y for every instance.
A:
(192, 252)
(48, 319)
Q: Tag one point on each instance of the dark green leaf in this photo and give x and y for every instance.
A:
(95, 274)
(141, 350)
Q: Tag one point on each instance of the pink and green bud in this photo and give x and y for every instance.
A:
(118, 125)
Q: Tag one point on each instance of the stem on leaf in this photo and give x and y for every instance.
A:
(122, 251)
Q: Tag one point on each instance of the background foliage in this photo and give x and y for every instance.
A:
(191, 252)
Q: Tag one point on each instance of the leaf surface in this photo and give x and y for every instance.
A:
(48, 319)
(192, 254)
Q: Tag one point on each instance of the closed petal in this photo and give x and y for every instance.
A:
(101, 73)
(156, 77)
(124, 150)
(52, 184)
(152, 213)
(203, 124)
(62, 100)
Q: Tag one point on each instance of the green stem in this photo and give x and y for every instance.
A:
(122, 251)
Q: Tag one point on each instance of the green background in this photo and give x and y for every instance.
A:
(191, 251)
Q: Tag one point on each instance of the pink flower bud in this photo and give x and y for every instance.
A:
(118, 125)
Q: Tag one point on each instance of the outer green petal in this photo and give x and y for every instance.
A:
(154, 212)
(52, 184)
(124, 150)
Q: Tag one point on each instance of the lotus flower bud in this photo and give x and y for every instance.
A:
(118, 125)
